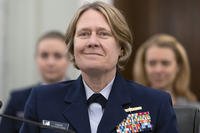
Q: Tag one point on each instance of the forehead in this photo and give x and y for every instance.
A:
(92, 19)
(51, 44)
(156, 52)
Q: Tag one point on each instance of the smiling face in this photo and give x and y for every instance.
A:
(95, 48)
(161, 67)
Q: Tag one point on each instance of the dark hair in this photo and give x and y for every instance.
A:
(52, 34)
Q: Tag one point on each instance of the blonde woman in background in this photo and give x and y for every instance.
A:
(161, 62)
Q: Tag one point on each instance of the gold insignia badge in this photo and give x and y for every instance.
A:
(131, 109)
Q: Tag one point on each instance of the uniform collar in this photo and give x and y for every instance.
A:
(105, 91)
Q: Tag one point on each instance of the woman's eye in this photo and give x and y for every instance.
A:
(44, 55)
(152, 63)
(104, 34)
(84, 34)
(166, 63)
(58, 55)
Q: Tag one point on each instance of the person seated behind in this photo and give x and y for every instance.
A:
(161, 62)
(52, 62)
(100, 100)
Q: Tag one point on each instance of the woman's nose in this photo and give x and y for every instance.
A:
(93, 41)
(158, 68)
(51, 60)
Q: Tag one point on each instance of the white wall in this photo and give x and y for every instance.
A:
(21, 23)
(81, 2)
(2, 11)
(25, 21)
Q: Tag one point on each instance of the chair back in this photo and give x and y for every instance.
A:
(188, 119)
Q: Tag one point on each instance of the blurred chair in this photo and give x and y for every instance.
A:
(188, 118)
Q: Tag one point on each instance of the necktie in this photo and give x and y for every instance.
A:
(97, 98)
(95, 110)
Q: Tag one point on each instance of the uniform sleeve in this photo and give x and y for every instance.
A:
(8, 125)
(30, 114)
(166, 118)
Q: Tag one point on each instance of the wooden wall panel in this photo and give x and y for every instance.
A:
(180, 18)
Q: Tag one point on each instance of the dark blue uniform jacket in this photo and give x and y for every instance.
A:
(65, 102)
(15, 107)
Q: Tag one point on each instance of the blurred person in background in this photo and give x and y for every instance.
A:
(52, 63)
(161, 62)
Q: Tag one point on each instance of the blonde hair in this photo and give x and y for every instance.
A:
(182, 80)
(117, 23)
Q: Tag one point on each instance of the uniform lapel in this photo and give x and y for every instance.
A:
(76, 111)
(114, 112)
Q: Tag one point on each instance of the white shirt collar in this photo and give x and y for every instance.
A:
(105, 91)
